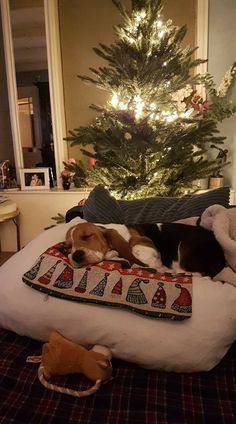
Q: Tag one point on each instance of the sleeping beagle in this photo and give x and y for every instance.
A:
(174, 246)
(90, 244)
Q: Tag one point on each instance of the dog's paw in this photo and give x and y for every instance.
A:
(176, 268)
(148, 255)
(111, 254)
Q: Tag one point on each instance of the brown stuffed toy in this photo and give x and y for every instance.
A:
(61, 356)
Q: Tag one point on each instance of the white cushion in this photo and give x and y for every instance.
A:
(194, 344)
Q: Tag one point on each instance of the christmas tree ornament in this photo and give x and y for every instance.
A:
(127, 136)
(155, 102)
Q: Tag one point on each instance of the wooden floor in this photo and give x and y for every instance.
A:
(4, 256)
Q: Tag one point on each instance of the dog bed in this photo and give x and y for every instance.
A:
(195, 344)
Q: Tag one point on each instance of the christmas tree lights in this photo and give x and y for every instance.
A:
(153, 134)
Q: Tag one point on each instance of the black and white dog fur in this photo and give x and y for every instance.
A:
(180, 247)
(166, 247)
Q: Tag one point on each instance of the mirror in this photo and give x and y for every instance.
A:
(30, 55)
(44, 114)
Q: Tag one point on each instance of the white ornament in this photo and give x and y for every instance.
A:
(127, 136)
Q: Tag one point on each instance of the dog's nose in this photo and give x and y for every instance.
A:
(78, 255)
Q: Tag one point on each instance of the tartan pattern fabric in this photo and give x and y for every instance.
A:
(135, 396)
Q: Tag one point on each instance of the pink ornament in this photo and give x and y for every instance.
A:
(66, 174)
(92, 161)
(205, 105)
(71, 161)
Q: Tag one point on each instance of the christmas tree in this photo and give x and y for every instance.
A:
(153, 135)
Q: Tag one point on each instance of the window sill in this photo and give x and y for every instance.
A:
(49, 191)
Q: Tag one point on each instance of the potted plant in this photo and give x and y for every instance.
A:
(217, 179)
(66, 179)
(74, 171)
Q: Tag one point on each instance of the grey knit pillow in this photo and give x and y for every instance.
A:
(102, 207)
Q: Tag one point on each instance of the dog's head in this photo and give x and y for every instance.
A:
(89, 244)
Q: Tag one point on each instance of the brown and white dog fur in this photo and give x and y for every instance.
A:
(90, 243)
(165, 247)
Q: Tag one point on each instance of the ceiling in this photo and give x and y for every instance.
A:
(28, 31)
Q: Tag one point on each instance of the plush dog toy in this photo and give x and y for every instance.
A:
(61, 356)
(222, 222)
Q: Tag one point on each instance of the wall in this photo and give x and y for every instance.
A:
(183, 12)
(36, 210)
(85, 23)
(6, 145)
(222, 48)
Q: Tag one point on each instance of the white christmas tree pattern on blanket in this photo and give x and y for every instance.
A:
(100, 288)
(117, 289)
(46, 278)
(81, 288)
(33, 272)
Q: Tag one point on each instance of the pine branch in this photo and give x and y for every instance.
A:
(153, 135)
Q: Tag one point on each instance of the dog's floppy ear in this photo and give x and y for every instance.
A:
(141, 240)
(118, 243)
(68, 240)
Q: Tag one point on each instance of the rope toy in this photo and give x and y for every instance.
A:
(61, 356)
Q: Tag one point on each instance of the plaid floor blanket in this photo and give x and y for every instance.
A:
(135, 396)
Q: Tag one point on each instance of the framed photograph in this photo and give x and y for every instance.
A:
(34, 178)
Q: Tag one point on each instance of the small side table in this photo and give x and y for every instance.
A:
(13, 216)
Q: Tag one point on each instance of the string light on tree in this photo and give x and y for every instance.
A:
(115, 100)
(155, 119)
(158, 24)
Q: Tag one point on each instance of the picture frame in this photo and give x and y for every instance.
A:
(34, 179)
